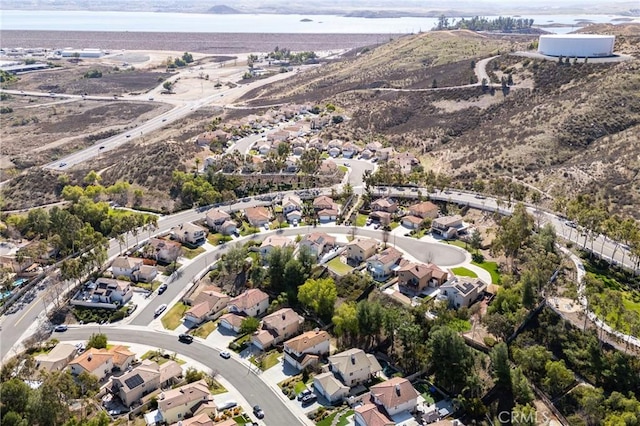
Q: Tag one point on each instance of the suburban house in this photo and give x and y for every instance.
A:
(413, 278)
(412, 222)
(335, 143)
(332, 389)
(462, 291)
(277, 327)
(133, 268)
(143, 380)
(189, 233)
(122, 357)
(447, 226)
(273, 241)
(383, 154)
(349, 150)
(98, 362)
(298, 150)
(354, 366)
(373, 146)
(203, 419)
(384, 218)
(395, 395)
(424, 210)
(405, 161)
(370, 415)
(306, 349)
(328, 167)
(291, 203)
(257, 216)
(164, 251)
(186, 401)
(324, 202)
(366, 154)
(327, 215)
(221, 222)
(252, 302)
(360, 249)
(208, 305)
(265, 148)
(384, 205)
(295, 215)
(231, 322)
(382, 265)
(291, 166)
(57, 359)
(318, 243)
(105, 293)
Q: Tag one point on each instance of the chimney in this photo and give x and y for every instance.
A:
(397, 389)
(353, 359)
(316, 330)
(89, 357)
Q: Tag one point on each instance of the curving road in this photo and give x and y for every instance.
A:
(252, 388)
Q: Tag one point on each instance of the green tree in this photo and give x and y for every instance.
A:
(345, 321)
(558, 377)
(249, 325)
(193, 375)
(98, 341)
(14, 395)
(520, 388)
(11, 418)
(500, 365)
(514, 233)
(88, 384)
(49, 404)
(475, 240)
(187, 57)
(452, 359)
(524, 415)
(319, 295)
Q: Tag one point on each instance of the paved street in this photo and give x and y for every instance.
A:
(252, 387)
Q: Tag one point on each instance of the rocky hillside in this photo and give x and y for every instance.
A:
(561, 128)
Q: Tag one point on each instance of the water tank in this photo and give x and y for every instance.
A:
(576, 45)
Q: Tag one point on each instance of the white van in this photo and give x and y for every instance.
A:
(160, 309)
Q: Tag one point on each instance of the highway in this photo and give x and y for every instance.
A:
(252, 388)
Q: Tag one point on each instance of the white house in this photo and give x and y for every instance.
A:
(318, 242)
(382, 265)
(327, 385)
(253, 302)
(396, 395)
(462, 291)
(273, 241)
(189, 233)
(354, 366)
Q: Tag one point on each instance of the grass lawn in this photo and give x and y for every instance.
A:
(464, 272)
(424, 391)
(343, 169)
(343, 418)
(338, 267)
(152, 286)
(458, 243)
(327, 421)
(173, 318)
(394, 225)
(205, 329)
(214, 239)
(248, 230)
(492, 268)
(216, 388)
(191, 253)
(299, 387)
(268, 360)
(155, 356)
(277, 209)
(238, 344)
(361, 220)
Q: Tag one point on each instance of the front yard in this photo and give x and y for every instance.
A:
(492, 268)
(173, 318)
(191, 253)
(337, 266)
(266, 361)
(361, 219)
(464, 272)
(205, 329)
(160, 357)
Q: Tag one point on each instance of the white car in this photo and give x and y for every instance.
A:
(160, 309)
(225, 354)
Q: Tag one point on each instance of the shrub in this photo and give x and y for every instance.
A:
(489, 341)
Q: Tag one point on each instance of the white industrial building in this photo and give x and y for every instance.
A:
(81, 53)
(576, 45)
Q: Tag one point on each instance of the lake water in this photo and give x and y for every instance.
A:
(244, 23)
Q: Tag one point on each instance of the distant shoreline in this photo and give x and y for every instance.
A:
(222, 43)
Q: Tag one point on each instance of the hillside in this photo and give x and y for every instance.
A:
(562, 129)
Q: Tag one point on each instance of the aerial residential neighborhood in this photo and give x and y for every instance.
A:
(206, 227)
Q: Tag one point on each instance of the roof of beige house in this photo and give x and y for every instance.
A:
(199, 420)
(364, 243)
(330, 384)
(291, 199)
(217, 215)
(413, 219)
(59, 352)
(234, 319)
(419, 270)
(161, 244)
(393, 392)
(388, 255)
(192, 392)
(282, 318)
(211, 297)
(121, 354)
(169, 370)
(276, 241)
(264, 337)
(249, 298)
(424, 207)
(353, 360)
(142, 374)
(188, 227)
(436, 272)
(323, 200)
(257, 213)
(307, 340)
(125, 262)
(320, 238)
(92, 359)
(447, 221)
(199, 310)
(328, 212)
(383, 203)
(372, 416)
